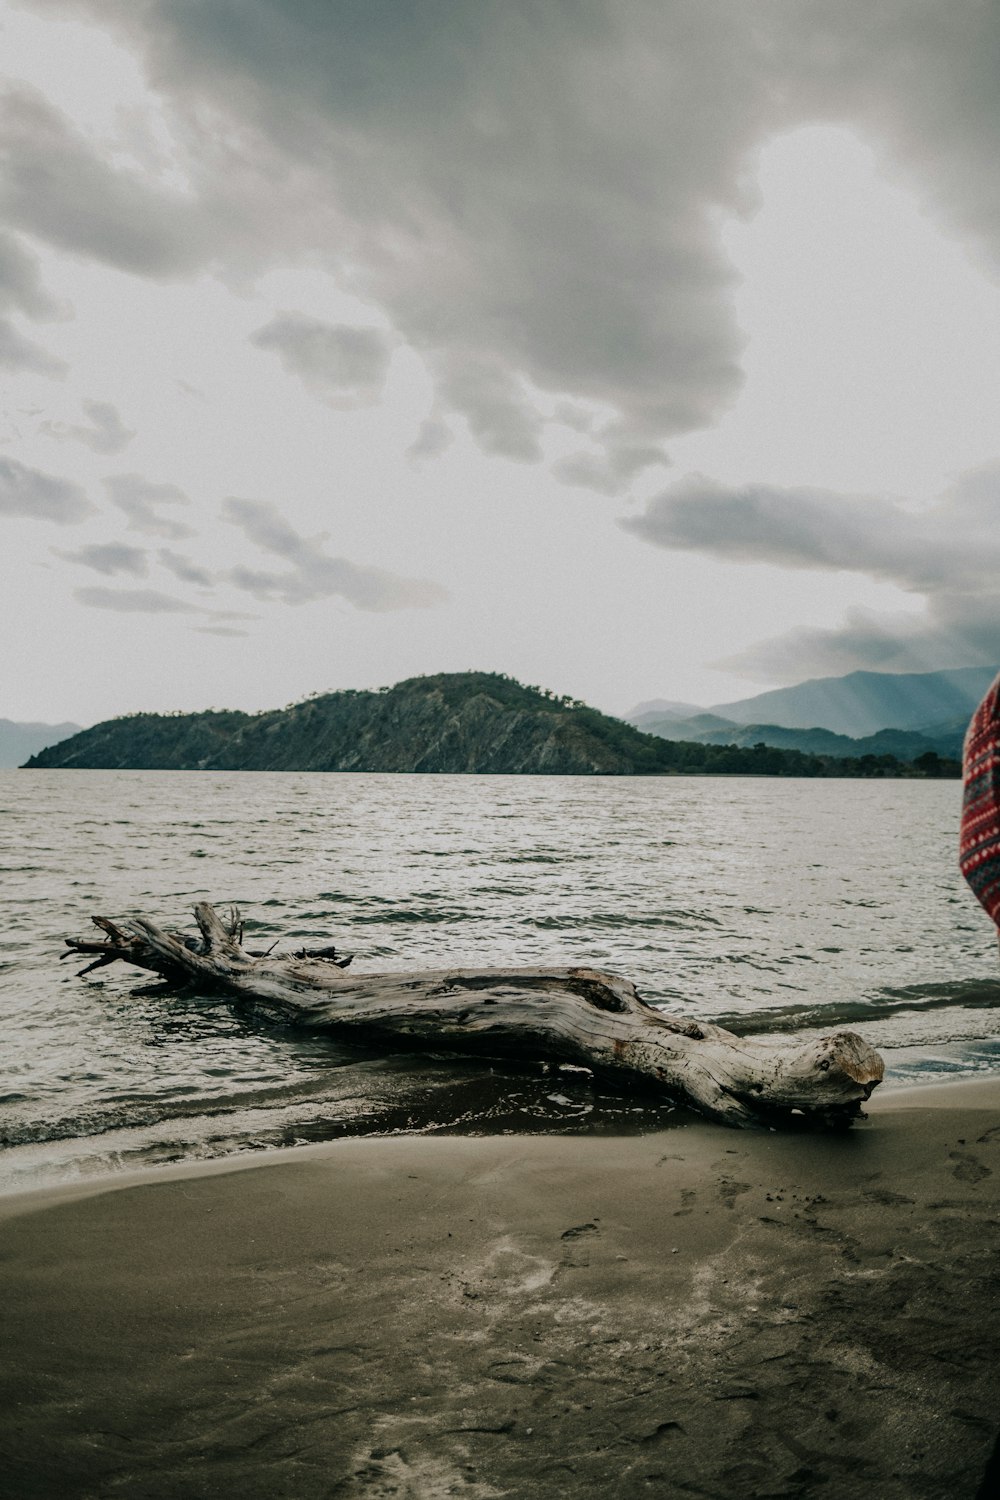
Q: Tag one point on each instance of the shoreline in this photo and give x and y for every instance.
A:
(98, 1176)
(696, 1310)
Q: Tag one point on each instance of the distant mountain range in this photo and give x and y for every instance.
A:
(904, 714)
(18, 741)
(865, 702)
(456, 722)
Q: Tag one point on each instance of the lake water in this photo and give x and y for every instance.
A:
(767, 905)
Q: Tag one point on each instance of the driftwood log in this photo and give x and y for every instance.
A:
(574, 1015)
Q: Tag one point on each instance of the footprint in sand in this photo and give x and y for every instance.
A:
(968, 1168)
(729, 1190)
(578, 1240)
(578, 1230)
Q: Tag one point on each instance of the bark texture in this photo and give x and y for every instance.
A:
(577, 1015)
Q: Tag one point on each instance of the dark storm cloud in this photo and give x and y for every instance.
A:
(138, 499)
(337, 362)
(312, 574)
(532, 203)
(133, 601)
(42, 497)
(105, 432)
(531, 189)
(948, 553)
(109, 558)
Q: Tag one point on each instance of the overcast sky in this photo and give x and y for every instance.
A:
(637, 348)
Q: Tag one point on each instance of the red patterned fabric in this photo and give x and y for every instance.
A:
(979, 847)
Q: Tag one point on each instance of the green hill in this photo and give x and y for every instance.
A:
(460, 722)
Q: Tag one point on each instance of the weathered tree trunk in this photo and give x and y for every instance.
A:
(572, 1015)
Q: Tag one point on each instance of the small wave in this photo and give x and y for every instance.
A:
(676, 917)
(964, 994)
(135, 1113)
(394, 1098)
(414, 914)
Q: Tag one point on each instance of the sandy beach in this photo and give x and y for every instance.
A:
(694, 1312)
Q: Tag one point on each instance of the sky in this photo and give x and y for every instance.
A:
(636, 348)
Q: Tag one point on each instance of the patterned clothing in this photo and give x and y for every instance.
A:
(979, 847)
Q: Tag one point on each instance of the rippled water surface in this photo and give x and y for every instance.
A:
(767, 904)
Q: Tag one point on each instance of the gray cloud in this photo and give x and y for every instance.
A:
(314, 575)
(138, 498)
(500, 415)
(42, 497)
(133, 601)
(337, 362)
(921, 82)
(21, 355)
(948, 553)
(184, 569)
(956, 631)
(434, 437)
(466, 164)
(57, 187)
(532, 192)
(109, 558)
(21, 290)
(611, 471)
(21, 282)
(224, 630)
(106, 432)
(955, 544)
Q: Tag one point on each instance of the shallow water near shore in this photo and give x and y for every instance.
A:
(769, 905)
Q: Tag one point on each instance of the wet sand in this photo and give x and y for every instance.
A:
(695, 1312)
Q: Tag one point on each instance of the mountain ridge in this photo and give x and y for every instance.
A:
(858, 705)
(906, 744)
(458, 723)
(20, 739)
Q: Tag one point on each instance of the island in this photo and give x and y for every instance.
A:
(482, 723)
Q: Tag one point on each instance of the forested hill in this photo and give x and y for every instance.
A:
(455, 722)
